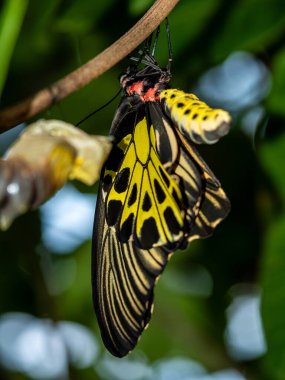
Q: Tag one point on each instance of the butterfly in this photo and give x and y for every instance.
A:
(156, 195)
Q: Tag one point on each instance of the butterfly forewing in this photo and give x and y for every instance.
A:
(125, 291)
(123, 278)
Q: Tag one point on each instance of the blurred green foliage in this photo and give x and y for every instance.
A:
(57, 36)
(10, 25)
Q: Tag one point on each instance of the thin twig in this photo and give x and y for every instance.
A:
(92, 69)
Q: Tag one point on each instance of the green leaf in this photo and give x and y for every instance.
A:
(273, 265)
(189, 19)
(81, 16)
(10, 25)
(275, 101)
(137, 7)
(273, 311)
(251, 25)
(272, 158)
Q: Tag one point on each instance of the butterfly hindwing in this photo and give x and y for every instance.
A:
(142, 203)
(205, 202)
(213, 205)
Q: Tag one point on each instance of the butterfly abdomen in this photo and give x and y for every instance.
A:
(195, 119)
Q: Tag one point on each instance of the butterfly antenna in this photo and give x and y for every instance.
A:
(155, 41)
(169, 44)
(99, 109)
(146, 49)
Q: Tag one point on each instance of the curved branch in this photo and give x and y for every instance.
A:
(92, 69)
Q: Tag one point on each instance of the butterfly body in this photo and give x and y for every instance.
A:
(156, 195)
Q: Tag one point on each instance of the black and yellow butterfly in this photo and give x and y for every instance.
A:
(156, 195)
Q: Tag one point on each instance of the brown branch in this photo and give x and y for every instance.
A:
(92, 69)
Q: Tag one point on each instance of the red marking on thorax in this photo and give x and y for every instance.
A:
(136, 88)
(150, 95)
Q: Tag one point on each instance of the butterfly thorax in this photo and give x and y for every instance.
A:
(147, 83)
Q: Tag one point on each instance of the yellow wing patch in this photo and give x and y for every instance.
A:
(144, 203)
(195, 119)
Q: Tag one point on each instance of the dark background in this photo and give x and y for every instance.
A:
(219, 306)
